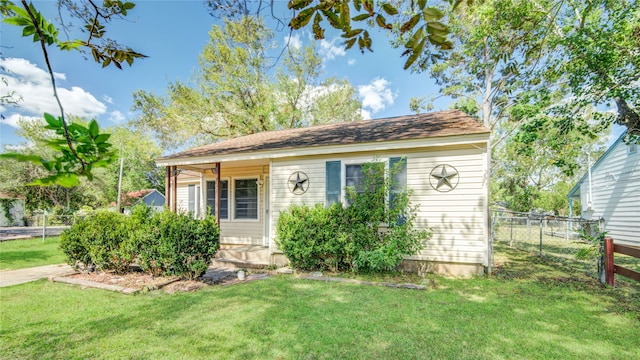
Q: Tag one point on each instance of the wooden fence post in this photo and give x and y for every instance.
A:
(608, 261)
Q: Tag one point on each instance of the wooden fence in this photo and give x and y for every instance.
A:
(611, 268)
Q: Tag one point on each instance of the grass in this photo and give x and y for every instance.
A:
(19, 254)
(532, 308)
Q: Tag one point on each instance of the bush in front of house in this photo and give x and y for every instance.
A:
(97, 242)
(162, 243)
(314, 237)
(373, 233)
(177, 244)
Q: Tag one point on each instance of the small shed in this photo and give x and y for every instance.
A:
(150, 197)
(11, 210)
(610, 190)
(248, 181)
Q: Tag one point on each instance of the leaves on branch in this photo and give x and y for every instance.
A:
(89, 149)
(107, 53)
(338, 15)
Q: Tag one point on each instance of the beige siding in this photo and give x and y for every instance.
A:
(457, 218)
(615, 185)
(232, 231)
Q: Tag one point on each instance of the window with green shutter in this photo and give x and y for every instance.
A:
(333, 182)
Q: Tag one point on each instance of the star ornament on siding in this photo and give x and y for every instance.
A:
(298, 183)
(444, 178)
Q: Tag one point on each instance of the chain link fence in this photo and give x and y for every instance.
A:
(540, 233)
(39, 220)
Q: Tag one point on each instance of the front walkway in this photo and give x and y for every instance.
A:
(21, 276)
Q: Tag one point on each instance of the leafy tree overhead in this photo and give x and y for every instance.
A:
(594, 57)
(237, 92)
(78, 148)
(536, 167)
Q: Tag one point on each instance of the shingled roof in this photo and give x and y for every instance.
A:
(437, 124)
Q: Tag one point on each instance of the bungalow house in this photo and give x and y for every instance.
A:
(610, 190)
(248, 181)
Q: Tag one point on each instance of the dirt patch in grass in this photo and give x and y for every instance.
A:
(143, 282)
(138, 280)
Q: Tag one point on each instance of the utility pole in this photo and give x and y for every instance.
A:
(120, 183)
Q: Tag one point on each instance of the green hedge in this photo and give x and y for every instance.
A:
(162, 243)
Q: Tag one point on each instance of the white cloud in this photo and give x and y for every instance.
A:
(366, 115)
(351, 62)
(293, 41)
(33, 84)
(108, 99)
(13, 119)
(329, 51)
(116, 117)
(376, 95)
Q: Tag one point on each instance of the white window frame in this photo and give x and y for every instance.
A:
(232, 198)
(632, 149)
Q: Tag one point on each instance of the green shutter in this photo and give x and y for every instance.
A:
(334, 180)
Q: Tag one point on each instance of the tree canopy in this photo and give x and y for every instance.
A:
(238, 90)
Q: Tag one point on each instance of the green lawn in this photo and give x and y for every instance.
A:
(530, 309)
(19, 254)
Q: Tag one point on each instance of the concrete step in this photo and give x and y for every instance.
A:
(239, 264)
(250, 254)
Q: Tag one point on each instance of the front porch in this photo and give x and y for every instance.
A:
(238, 194)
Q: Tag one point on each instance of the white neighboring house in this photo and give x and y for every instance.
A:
(443, 158)
(611, 191)
(16, 210)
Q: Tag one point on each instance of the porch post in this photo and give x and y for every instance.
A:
(218, 192)
(167, 188)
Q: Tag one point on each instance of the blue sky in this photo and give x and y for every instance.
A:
(173, 34)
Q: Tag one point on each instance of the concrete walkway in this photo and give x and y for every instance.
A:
(21, 276)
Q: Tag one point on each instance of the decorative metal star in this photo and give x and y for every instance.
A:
(298, 182)
(445, 176)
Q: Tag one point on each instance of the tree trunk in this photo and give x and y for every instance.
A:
(627, 116)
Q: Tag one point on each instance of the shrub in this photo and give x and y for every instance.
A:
(96, 241)
(161, 242)
(370, 234)
(177, 244)
(313, 237)
(74, 244)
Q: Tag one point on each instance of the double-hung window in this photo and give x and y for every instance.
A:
(224, 198)
(246, 198)
(193, 206)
